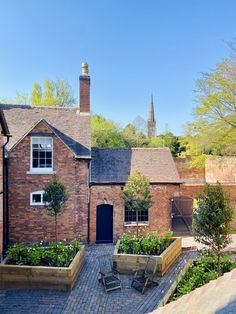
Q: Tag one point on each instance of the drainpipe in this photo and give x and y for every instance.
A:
(5, 196)
(89, 177)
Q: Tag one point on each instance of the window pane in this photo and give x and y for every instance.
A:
(48, 163)
(42, 152)
(36, 198)
(130, 216)
(35, 163)
(35, 154)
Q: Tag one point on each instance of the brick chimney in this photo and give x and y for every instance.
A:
(84, 90)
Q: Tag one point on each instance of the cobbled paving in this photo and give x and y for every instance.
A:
(88, 295)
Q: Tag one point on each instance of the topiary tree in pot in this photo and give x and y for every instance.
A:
(136, 194)
(212, 218)
(54, 198)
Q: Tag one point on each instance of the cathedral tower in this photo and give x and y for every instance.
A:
(151, 122)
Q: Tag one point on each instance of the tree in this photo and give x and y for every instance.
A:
(55, 93)
(55, 197)
(168, 139)
(36, 95)
(214, 130)
(212, 218)
(133, 138)
(105, 133)
(137, 194)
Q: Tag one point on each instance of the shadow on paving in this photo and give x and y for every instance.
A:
(88, 295)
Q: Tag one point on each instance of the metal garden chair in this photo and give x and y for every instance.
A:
(145, 277)
(109, 276)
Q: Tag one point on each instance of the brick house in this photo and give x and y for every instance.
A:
(48, 140)
(110, 169)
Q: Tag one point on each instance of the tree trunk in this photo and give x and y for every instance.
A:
(218, 264)
(137, 222)
(56, 253)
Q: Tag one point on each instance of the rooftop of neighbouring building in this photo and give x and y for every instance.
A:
(218, 296)
(114, 165)
(72, 127)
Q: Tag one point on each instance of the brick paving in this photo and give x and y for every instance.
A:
(88, 295)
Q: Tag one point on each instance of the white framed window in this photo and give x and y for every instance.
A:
(36, 198)
(41, 154)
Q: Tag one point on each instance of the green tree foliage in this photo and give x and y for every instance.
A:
(105, 133)
(137, 194)
(168, 139)
(213, 131)
(55, 197)
(36, 95)
(212, 218)
(133, 138)
(55, 93)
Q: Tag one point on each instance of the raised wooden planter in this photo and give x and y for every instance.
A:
(127, 263)
(41, 277)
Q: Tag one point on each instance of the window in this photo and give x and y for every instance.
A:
(41, 154)
(130, 216)
(36, 198)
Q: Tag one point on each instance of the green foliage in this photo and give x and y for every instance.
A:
(133, 138)
(201, 272)
(55, 93)
(54, 196)
(105, 133)
(212, 218)
(149, 244)
(37, 255)
(214, 130)
(136, 193)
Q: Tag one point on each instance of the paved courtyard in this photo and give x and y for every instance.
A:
(88, 295)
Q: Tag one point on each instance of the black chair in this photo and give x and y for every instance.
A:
(109, 276)
(144, 277)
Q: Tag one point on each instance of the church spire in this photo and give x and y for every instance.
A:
(151, 123)
(151, 110)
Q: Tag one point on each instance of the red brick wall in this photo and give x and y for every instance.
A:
(1, 198)
(159, 213)
(84, 93)
(187, 174)
(32, 223)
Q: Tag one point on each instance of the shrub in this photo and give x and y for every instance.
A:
(37, 255)
(149, 244)
(201, 272)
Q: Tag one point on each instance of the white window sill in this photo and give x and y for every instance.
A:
(41, 172)
(133, 224)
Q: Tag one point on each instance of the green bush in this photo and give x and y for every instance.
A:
(37, 255)
(201, 272)
(149, 244)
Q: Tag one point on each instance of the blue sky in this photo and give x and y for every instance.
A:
(133, 47)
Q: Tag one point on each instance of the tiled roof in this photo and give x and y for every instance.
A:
(114, 165)
(68, 124)
(218, 296)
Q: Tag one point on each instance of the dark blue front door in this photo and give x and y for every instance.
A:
(104, 229)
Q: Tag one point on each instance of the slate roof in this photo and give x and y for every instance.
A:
(67, 123)
(114, 165)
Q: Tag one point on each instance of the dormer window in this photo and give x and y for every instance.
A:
(41, 154)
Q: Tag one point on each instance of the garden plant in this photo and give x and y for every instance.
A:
(149, 244)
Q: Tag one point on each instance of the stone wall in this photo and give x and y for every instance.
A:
(159, 213)
(32, 223)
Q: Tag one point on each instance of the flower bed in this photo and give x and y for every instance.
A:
(19, 269)
(132, 253)
(200, 273)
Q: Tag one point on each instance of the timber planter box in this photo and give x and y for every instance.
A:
(127, 263)
(41, 277)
